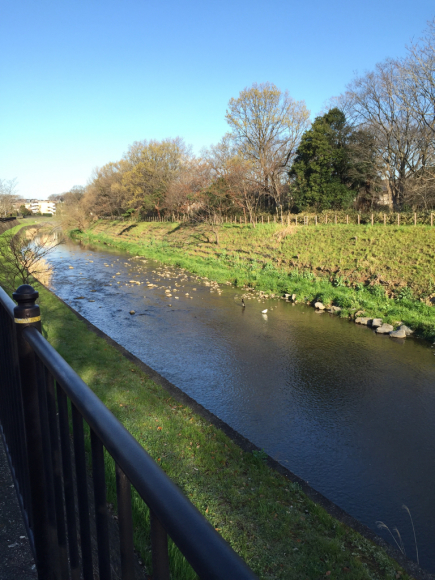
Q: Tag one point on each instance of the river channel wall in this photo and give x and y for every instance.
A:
(7, 224)
(335, 511)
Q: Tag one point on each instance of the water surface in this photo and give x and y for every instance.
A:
(350, 412)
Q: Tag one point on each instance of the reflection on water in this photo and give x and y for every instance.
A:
(347, 410)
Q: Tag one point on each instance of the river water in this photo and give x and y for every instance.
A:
(348, 411)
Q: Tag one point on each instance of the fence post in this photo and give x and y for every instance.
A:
(415, 219)
(316, 220)
(347, 220)
(398, 218)
(44, 519)
(431, 219)
(372, 219)
(359, 218)
(385, 221)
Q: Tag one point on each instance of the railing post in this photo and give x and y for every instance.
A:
(44, 529)
(159, 549)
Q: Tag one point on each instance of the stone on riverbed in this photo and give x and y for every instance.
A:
(384, 329)
(319, 306)
(132, 312)
(407, 330)
(362, 320)
(399, 333)
(376, 322)
(334, 309)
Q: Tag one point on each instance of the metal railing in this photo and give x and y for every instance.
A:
(40, 397)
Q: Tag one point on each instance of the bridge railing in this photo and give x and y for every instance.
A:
(41, 397)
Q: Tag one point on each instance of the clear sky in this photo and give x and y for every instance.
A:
(80, 80)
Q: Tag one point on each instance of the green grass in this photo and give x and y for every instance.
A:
(387, 272)
(268, 521)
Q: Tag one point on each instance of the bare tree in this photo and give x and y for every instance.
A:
(375, 103)
(23, 256)
(193, 178)
(266, 126)
(8, 196)
(104, 195)
(418, 78)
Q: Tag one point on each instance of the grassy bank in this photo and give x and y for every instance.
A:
(385, 272)
(278, 531)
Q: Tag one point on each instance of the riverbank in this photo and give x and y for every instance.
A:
(268, 520)
(365, 271)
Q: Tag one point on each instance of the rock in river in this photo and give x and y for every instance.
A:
(407, 330)
(384, 329)
(376, 322)
(399, 333)
(319, 306)
(362, 320)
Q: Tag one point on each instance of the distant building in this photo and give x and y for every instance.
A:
(40, 206)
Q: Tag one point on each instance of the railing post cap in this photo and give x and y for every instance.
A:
(27, 312)
(25, 293)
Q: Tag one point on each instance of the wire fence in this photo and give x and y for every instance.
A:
(303, 219)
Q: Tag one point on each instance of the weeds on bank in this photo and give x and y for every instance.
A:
(397, 538)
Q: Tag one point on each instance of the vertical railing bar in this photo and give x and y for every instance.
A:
(15, 383)
(57, 473)
(82, 493)
(68, 483)
(125, 522)
(159, 549)
(102, 526)
(47, 464)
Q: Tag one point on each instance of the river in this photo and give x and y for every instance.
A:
(347, 410)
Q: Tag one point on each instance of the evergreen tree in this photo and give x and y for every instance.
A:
(321, 171)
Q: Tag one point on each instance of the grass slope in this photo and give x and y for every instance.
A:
(387, 272)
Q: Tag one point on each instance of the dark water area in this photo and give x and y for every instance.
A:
(348, 411)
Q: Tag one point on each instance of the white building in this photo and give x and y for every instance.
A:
(40, 206)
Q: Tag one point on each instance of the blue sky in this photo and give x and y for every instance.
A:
(81, 80)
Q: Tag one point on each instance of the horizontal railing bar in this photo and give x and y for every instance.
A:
(209, 555)
(7, 302)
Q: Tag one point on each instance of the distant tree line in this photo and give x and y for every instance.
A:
(374, 146)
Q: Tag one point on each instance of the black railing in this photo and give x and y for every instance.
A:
(40, 397)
